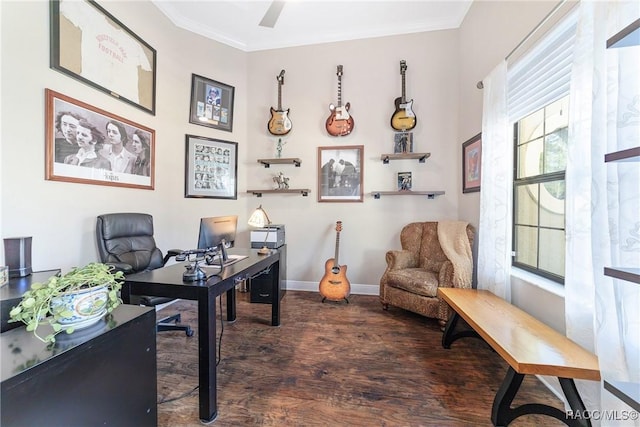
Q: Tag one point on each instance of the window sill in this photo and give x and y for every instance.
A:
(538, 281)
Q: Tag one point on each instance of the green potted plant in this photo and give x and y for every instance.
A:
(72, 301)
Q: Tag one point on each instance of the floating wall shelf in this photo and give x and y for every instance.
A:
(403, 156)
(259, 193)
(429, 194)
(288, 161)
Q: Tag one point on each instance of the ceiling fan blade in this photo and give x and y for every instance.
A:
(272, 14)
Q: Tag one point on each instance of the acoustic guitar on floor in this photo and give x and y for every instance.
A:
(403, 118)
(334, 285)
(339, 122)
(280, 123)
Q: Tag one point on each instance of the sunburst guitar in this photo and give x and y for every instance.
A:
(334, 285)
(339, 122)
(280, 123)
(403, 118)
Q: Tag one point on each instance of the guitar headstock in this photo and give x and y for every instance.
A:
(403, 66)
(280, 77)
(339, 73)
(338, 226)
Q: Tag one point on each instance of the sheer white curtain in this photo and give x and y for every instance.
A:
(603, 207)
(494, 240)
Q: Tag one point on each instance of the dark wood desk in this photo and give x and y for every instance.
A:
(11, 294)
(167, 282)
(104, 374)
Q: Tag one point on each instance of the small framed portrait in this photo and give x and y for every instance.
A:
(211, 169)
(403, 142)
(85, 144)
(211, 103)
(340, 173)
(404, 181)
(471, 157)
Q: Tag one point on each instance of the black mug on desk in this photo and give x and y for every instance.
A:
(17, 256)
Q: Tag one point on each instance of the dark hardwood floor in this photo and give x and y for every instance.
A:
(336, 364)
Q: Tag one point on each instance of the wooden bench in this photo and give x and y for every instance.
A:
(530, 348)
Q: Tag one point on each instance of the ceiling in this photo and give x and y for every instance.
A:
(306, 22)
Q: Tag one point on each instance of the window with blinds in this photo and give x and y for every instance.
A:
(538, 105)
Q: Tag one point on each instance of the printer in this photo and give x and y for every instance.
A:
(271, 236)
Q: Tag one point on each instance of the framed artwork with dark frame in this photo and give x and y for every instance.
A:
(211, 169)
(85, 144)
(340, 173)
(91, 45)
(211, 103)
(471, 157)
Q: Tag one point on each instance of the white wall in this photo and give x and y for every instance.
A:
(61, 216)
(370, 82)
(443, 68)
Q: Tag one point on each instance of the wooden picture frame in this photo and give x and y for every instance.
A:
(211, 169)
(471, 164)
(91, 45)
(85, 144)
(211, 103)
(340, 173)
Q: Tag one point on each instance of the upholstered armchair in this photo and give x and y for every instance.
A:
(414, 274)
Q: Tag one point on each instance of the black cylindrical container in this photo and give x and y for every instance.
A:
(17, 256)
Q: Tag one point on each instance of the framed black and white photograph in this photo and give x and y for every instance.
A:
(471, 157)
(403, 142)
(404, 181)
(340, 173)
(85, 144)
(211, 103)
(211, 168)
(91, 45)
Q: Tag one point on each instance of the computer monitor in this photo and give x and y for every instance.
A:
(218, 232)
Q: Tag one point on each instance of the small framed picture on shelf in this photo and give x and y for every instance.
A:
(404, 181)
(403, 142)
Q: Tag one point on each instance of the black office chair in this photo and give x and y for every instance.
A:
(125, 240)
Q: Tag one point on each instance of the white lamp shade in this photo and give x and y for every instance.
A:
(259, 218)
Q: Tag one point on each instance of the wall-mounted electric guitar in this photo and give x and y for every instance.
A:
(403, 118)
(279, 124)
(334, 285)
(340, 122)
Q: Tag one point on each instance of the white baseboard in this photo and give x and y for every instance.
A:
(296, 285)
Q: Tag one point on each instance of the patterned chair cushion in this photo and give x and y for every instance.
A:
(414, 280)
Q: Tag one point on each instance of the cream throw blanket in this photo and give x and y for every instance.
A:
(455, 245)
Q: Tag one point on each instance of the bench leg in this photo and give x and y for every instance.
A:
(449, 335)
(502, 413)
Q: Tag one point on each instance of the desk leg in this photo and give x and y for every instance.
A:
(231, 304)
(275, 294)
(207, 356)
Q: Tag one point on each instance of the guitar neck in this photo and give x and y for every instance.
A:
(279, 96)
(404, 98)
(335, 259)
(403, 69)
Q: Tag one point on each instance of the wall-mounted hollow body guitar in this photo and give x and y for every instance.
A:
(403, 118)
(279, 124)
(339, 122)
(334, 285)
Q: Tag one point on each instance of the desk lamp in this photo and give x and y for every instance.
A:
(260, 219)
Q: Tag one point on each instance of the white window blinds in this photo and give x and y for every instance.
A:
(542, 75)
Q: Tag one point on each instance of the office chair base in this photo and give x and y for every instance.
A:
(171, 323)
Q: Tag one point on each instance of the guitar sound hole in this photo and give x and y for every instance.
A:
(335, 270)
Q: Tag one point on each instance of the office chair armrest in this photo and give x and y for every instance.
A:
(121, 266)
(170, 254)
